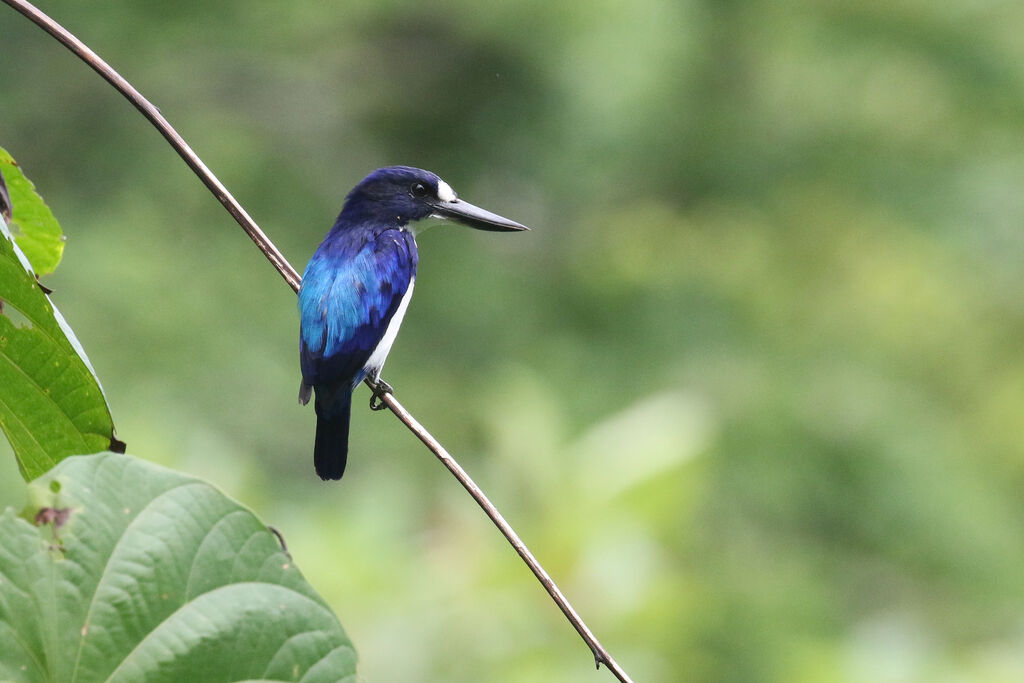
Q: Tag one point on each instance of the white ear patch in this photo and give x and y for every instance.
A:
(444, 191)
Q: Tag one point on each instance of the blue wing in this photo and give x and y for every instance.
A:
(350, 291)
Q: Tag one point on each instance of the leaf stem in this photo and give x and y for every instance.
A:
(291, 276)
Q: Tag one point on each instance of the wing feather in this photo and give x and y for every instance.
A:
(349, 293)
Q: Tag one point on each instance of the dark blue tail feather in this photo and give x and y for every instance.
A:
(331, 450)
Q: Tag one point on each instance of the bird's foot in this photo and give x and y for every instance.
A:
(380, 388)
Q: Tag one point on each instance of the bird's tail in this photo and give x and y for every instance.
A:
(331, 450)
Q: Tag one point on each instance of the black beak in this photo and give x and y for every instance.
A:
(474, 216)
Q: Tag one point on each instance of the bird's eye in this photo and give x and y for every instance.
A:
(418, 190)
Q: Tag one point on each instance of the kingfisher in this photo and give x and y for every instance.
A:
(356, 289)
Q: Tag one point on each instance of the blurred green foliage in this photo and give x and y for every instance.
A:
(752, 389)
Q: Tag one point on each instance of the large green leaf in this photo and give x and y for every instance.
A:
(132, 572)
(34, 227)
(51, 404)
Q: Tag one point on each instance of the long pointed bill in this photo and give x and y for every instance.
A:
(475, 217)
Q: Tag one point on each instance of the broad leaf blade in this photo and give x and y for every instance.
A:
(51, 404)
(33, 225)
(155, 576)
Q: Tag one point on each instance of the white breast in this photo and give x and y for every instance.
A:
(376, 360)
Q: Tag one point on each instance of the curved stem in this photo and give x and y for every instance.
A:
(601, 655)
(147, 109)
(291, 276)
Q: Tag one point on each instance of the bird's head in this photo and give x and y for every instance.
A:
(409, 194)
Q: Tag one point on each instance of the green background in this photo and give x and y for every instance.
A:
(752, 389)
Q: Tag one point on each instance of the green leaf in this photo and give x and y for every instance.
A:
(51, 403)
(138, 573)
(33, 225)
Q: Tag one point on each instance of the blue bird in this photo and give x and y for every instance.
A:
(356, 289)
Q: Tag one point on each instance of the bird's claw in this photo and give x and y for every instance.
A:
(380, 388)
